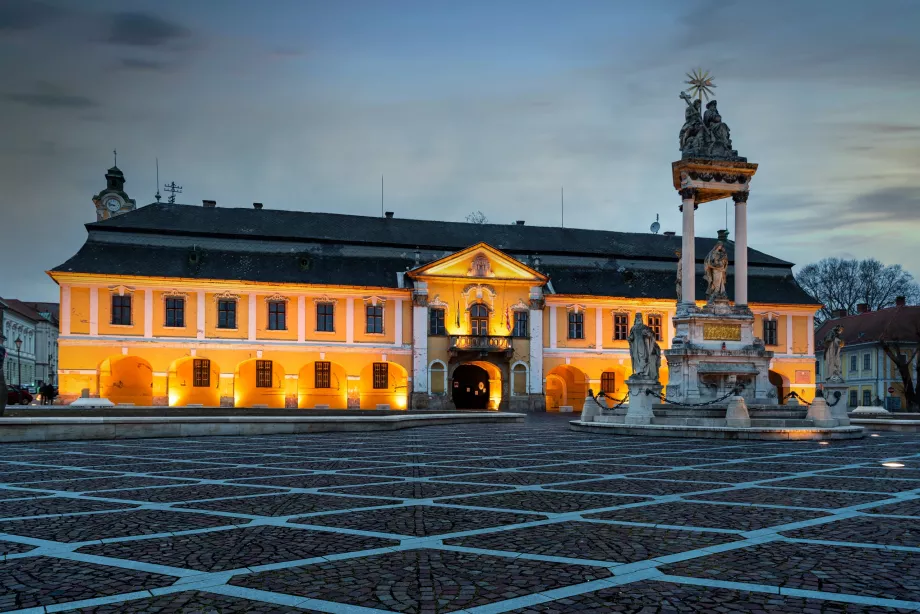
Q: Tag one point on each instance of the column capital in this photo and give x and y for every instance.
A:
(740, 197)
(688, 193)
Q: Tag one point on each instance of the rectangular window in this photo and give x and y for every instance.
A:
(175, 312)
(201, 368)
(576, 325)
(654, 322)
(769, 332)
(436, 322)
(263, 374)
(521, 324)
(853, 400)
(373, 314)
(323, 375)
(226, 314)
(277, 315)
(381, 375)
(853, 362)
(325, 317)
(867, 362)
(867, 397)
(817, 367)
(608, 382)
(121, 310)
(620, 326)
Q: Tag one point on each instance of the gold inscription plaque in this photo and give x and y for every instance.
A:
(722, 332)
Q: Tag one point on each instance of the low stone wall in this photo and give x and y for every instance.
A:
(712, 432)
(123, 427)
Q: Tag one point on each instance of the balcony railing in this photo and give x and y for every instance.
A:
(480, 343)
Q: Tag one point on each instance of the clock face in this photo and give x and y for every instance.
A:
(113, 204)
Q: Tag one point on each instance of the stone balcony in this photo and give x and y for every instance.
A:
(483, 344)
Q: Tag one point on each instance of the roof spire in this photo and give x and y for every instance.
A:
(115, 154)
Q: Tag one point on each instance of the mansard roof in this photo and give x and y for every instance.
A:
(338, 228)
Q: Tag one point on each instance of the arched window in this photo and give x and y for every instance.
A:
(519, 379)
(479, 320)
(437, 374)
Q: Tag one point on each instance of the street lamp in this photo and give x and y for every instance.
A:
(18, 343)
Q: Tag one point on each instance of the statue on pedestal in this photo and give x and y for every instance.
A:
(718, 131)
(715, 268)
(833, 355)
(644, 350)
(704, 136)
(693, 123)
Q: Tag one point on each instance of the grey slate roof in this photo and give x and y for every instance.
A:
(601, 259)
(427, 234)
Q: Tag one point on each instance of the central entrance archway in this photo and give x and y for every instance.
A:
(471, 387)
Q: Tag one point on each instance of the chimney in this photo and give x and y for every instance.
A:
(862, 308)
(839, 313)
(723, 235)
(670, 233)
(209, 204)
(900, 301)
(256, 205)
(389, 215)
(520, 222)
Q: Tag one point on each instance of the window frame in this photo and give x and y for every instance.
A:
(322, 375)
(620, 326)
(325, 319)
(373, 319)
(201, 372)
(770, 335)
(176, 311)
(437, 317)
(521, 327)
(867, 361)
(478, 321)
(226, 313)
(608, 377)
(854, 399)
(576, 328)
(656, 323)
(381, 376)
(277, 315)
(264, 373)
(120, 310)
(867, 397)
(854, 363)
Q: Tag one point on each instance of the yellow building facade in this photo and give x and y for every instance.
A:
(204, 306)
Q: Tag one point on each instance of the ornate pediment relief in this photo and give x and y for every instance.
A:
(325, 299)
(226, 295)
(276, 298)
(374, 300)
(479, 261)
(121, 290)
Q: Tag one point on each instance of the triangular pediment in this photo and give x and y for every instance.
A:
(480, 261)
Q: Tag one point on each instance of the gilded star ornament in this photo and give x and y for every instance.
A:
(700, 82)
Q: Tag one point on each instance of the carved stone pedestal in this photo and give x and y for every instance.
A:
(639, 410)
(820, 413)
(835, 393)
(736, 414)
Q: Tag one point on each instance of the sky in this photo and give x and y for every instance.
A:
(489, 106)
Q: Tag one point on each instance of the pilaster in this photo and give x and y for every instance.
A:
(94, 311)
(199, 333)
(148, 313)
(349, 320)
(252, 316)
(65, 309)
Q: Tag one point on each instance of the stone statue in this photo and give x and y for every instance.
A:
(833, 355)
(718, 131)
(680, 276)
(716, 271)
(693, 123)
(644, 351)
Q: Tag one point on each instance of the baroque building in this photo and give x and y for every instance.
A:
(188, 305)
(34, 362)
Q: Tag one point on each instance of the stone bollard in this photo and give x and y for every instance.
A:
(836, 396)
(736, 414)
(591, 409)
(820, 413)
(639, 409)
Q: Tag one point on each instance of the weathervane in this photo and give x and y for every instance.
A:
(700, 82)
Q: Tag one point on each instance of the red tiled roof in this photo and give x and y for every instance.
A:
(893, 323)
(22, 309)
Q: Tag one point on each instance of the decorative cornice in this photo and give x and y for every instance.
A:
(175, 294)
(276, 298)
(226, 295)
(374, 300)
(121, 290)
(577, 308)
(325, 300)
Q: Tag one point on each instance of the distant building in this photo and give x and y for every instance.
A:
(867, 369)
(205, 305)
(46, 341)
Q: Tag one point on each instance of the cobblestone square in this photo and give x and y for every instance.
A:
(436, 520)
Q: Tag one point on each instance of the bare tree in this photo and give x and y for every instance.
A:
(838, 283)
(477, 217)
(905, 359)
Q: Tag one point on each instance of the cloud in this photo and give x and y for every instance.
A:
(144, 30)
(142, 65)
(48, 96)
(23, 15)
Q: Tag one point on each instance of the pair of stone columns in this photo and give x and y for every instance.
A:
(688, 252)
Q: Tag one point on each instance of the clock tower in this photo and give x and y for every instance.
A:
(113, 200)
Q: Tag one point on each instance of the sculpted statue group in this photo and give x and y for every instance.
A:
(705, 135)
(644, 350)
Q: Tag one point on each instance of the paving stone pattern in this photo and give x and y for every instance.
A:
(529, 518)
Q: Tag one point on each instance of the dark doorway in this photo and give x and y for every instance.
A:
(471, 387)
